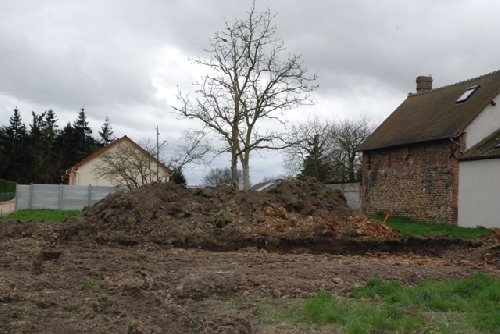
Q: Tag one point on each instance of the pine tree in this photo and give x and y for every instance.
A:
(75, 142)
(14, 167)
(106, 133)
(316, 162)
(63, 147)
(83, 142)
(45, 165)
(3, 141)
(178, 176)
(36, 152)
(16, 130)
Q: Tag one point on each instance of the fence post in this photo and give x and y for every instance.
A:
(30, 202)
(17, 199)
(60, 195)
(90, 194)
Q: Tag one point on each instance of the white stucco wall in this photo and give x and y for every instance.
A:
(479, 193)
(85, 174)
(483, 125)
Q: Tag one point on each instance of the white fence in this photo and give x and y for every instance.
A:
(352, 193)
(59, 196)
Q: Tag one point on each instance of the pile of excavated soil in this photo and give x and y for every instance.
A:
(220, 218)
(149, 261)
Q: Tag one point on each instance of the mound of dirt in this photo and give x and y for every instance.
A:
(220, 218)
(281, 246)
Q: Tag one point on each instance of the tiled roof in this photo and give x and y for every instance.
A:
(488, 148)
(107, 147)
(434, 114)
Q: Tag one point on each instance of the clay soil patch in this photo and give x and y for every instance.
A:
(168, 259)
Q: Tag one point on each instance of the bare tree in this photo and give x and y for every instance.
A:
(219, 176)
(338, 140)
(301, 134)
(135, 165)
(248, 82)
(192, 148)
(132, 165)
(347, 136)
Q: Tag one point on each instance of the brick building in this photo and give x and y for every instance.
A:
(413, 160)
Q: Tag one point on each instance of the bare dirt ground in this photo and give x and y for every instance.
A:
(7, 207)
(166, 259)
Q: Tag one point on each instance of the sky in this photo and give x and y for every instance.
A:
(125, 59)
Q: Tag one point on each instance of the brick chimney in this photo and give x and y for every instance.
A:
(424, 83)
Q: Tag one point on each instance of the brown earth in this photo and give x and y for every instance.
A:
(168, 259)
(7, 207)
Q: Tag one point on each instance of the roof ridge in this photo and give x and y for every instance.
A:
(98, 152)
(452, 85)
(112, 144)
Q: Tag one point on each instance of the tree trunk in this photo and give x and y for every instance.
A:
(352, 176)
(246, 170)
(235, 144)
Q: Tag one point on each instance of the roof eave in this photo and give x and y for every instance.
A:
(480, 157)
(409, 143)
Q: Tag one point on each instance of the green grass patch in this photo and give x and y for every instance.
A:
(412, 228)
(223, 221)
(42, 214)
(92, 285)
(466, 306)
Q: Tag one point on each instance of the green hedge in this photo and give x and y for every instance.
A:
(7, 190)
(6, 196)
(7, 186)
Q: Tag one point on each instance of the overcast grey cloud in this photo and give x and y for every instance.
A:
(124, 59)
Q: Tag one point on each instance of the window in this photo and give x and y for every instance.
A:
(467, 94)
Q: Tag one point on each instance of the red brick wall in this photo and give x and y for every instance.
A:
(419, 181)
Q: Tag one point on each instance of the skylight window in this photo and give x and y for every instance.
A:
(467, 94)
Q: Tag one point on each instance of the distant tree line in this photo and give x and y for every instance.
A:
(41, 152)
(326, 150)
(7, 186)
(220, 176)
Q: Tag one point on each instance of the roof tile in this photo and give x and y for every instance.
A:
(488, 148)
(434, 114)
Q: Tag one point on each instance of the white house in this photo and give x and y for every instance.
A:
(120, 163)
(479, 184)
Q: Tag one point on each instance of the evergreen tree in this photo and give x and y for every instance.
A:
(45, 165)
(35, 149)
(106, 133)
(3, 140)
(63, 147)
(316, 163)
(178, 176)
(75, 142)
(14, 144)
(16, 130)
(83, 142)
(52, 163)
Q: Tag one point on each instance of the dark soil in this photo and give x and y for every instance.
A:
(168, 259)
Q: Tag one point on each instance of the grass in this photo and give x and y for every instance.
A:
(92, 285)
(466, 306)
(223, 221)
(42, 214)
(412, 228)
